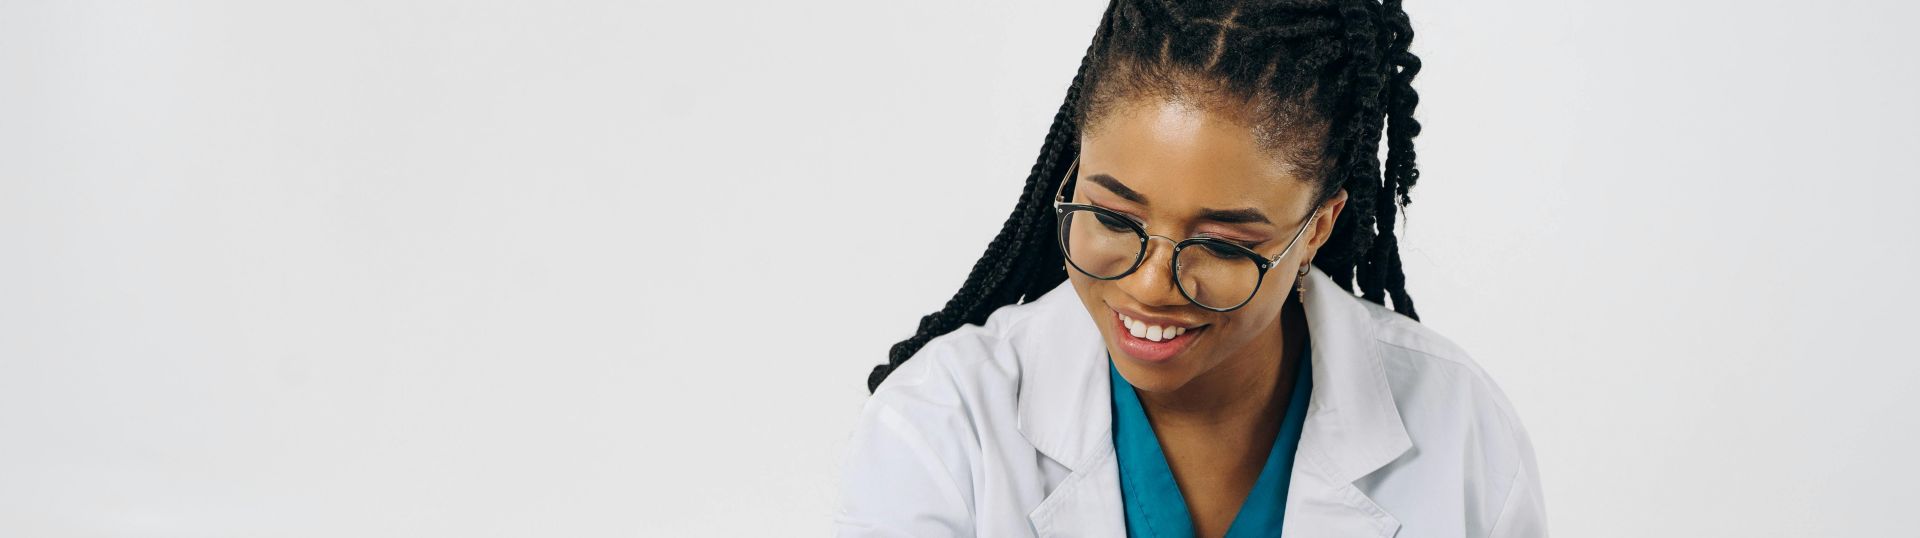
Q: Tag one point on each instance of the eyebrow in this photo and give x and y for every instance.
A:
(1235, 216)
(1225, 216)
(1118, 188)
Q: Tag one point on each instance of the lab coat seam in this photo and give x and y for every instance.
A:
(1506, 500)
(1405, 333)
(1514, 439)
(911, 434)
(1462, 361)
(975, 458)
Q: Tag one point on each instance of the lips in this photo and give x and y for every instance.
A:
(1156, 340)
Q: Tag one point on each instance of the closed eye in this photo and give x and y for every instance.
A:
(1112, 223)
(1108, 221)
(1104, 217)
(1223, 251)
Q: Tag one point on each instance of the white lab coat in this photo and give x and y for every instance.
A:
(1006, 430)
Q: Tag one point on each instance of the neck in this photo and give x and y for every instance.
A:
(1245, 389)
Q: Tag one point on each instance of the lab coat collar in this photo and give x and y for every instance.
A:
(1353, 427)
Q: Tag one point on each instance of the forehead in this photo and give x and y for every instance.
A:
(1182, 154)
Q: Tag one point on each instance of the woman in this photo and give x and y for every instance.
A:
(1210, 194)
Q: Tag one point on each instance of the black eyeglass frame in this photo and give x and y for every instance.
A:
(1063, 208)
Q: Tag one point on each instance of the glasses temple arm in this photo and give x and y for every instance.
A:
(1296, 236)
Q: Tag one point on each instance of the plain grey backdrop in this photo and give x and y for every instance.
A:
(452, 268)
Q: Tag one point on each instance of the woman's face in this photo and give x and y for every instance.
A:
(1185, 172)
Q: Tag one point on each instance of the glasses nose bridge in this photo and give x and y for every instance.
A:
(1172, 241)
(1173, 255)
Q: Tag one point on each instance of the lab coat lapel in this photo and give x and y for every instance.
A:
(1087, 503)
(1066, 412)
(1352, 427)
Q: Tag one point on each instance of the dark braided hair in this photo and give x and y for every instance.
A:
(1318, 81)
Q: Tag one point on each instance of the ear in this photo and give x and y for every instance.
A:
(1323, 224)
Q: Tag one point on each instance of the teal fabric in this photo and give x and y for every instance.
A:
(1152, 500)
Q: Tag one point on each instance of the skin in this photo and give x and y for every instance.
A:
(1217, 406)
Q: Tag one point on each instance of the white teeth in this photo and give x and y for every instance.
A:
(1156, 333)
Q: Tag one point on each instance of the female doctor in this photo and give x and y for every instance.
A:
(1164, 339)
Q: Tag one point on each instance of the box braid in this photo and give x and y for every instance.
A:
(1339, 70)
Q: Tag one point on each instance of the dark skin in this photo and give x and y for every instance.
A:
(1217, 406)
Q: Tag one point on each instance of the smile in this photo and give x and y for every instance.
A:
(1150, 332)
(1154, 342)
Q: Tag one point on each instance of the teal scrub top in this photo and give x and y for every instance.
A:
(1152, 500)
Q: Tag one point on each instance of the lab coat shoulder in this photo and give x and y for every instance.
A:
(917, 464)
(1461, 424)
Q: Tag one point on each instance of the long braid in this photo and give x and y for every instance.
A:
(1338, 68)
(1401, 128)
(1365, 80)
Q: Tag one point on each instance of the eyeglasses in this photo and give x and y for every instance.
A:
(1212, 273)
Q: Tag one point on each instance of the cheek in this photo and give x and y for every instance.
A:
(1082, 284)
(1089, 291)
(1251, 321)
(1088, 287)
(1278, 284)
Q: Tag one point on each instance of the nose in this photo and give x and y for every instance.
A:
(1153, 283)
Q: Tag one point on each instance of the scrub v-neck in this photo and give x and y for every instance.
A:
(1152, 500)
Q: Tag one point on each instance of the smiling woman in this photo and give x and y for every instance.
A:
(1210, 193)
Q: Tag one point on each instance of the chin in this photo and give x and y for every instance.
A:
(1153, 378)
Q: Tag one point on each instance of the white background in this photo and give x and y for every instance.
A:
(445, 268)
